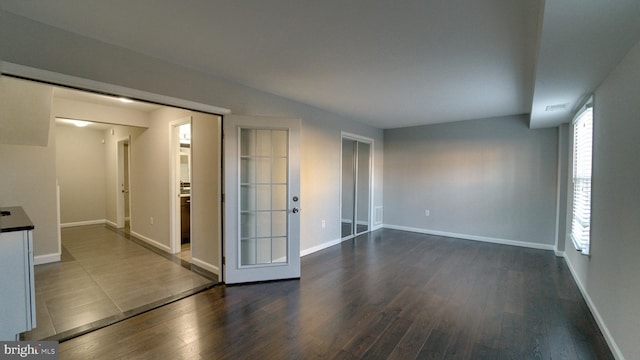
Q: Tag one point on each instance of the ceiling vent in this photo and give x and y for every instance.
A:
(557, 107)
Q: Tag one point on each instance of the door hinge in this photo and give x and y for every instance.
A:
(224, 260)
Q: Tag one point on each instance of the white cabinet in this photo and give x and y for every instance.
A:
(17, 292)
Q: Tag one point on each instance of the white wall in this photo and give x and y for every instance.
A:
(151, 177)
(73, 109)
(80, 165)
(206, 188)
(491, 179)
(28, 173)
(24, 113)
(28, 43)
(112, 189)
(609, 277)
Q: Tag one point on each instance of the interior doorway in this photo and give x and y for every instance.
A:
(181, 194)
(356, 186)
(123, 203)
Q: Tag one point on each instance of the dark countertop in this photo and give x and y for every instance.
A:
(16, 221)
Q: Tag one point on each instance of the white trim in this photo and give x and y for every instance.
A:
(380, 210)
(59, 237)
(205, 265)
(111, 223)
(473, 237)
(558, 189)
(46, 258)
(152, 242)
(81, 83)
(560, 253)
(85, 223)
(596, 314)
(377, 227)
(322, 246)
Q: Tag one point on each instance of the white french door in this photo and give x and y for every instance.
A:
(262, 199)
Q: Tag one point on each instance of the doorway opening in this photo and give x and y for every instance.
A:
(123, 202)
(98, 160)
(356, 186)
(181, 188)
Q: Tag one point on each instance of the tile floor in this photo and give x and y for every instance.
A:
(185, 252)
(103, 277)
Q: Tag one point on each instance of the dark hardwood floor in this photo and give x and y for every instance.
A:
(386, 295)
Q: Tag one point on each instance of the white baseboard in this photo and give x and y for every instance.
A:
(377, 227)
(45, 259)
(84, 223)
(317, 248)
(152, 242)
(205, 265)
(596, 314)
(559, 253)
(111, 223)
(472, 237)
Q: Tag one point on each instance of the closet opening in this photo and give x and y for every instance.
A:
(356, 186)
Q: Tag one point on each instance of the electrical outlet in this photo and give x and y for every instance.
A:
(427, 212)
(151, 220)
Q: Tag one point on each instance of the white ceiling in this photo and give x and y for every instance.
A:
(386, 63)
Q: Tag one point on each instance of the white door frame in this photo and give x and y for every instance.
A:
(120, 179)
(174, 188)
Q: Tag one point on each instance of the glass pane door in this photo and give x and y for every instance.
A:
(263, 196)
(262, 199)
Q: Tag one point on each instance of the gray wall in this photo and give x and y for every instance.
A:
(28, 43)
(80, 165)
(609, 277)
(493, 179)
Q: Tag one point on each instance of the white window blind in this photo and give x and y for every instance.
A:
(582, 156)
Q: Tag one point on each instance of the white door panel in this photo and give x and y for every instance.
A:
(262, 199)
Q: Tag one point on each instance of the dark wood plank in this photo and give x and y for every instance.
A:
(386, 295)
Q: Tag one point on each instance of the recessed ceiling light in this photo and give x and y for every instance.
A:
(125, 100)
(80, 123)
(557, 107)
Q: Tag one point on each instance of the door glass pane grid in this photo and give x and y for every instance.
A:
(263, 196)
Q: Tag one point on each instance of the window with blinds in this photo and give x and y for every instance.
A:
(582, 157)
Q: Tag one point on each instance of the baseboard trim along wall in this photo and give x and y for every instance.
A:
(596, 314)
(152, 242)
(46, 258)
(473, 237)
(85, 223)
(322, 246)
(205, 265)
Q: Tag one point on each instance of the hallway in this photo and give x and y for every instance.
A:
(105, 276)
